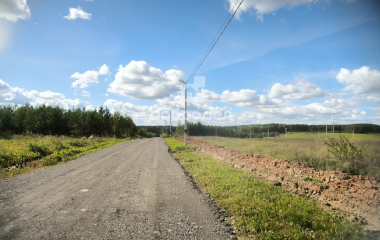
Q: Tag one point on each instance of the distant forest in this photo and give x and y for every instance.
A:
(48, 120)
(256, 131)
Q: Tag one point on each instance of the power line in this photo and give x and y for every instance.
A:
(216, 35)
(213, 45)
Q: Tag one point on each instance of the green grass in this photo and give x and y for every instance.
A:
(295, 135)
(322, 135)
(36, 152)
(259, 210)
(178, 145)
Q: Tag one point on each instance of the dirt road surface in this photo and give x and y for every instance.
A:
(133, 190)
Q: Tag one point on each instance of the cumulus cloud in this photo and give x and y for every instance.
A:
(138, 80)
(15, 95)
(363, 82)
(104, 70)
(245, 98)
(78, 13)
(84, 79)
(299, 89)
(13, 10)
(360, 81)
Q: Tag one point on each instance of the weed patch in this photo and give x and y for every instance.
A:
(350, 157)
(32, 153)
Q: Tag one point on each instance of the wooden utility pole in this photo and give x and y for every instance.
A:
(185, 110)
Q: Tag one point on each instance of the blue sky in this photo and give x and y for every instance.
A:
(288, 61)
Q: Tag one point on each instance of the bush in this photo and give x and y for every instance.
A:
(43, 150)
(165, 135)
(350, 157)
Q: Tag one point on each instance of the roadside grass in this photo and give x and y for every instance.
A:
(259, 210)
(295, 135)
(177, 146)
(312, 151)
(31, 153)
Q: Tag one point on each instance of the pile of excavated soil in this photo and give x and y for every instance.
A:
(354, 197)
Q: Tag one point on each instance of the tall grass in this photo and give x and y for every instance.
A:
(312, 151)
(29, 153)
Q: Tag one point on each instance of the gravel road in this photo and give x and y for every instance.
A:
(133, 190)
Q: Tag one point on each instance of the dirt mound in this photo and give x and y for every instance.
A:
(354, 197)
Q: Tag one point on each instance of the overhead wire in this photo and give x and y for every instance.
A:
(214, 43)
(216, 35)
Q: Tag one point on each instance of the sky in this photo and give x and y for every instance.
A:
(278, 61)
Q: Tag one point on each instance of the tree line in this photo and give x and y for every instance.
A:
(48, 120)
(275, 129)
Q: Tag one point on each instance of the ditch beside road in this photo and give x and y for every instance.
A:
(132, 190)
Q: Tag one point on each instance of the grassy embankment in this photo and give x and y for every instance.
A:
(311, 151)
(259, 210)
(36, 152)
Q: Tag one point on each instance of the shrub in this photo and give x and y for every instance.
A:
(165, 135)
(349, 156)
(43, 150)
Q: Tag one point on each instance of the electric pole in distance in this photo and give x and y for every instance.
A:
(333, 128)
(185, 110)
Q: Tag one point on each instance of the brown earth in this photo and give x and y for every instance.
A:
(355, 197)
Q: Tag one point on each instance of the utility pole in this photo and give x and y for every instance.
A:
(170, 124)
(185, 110)
(333, 128)
(286, 132)
(165, 126)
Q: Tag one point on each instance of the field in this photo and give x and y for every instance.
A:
(24, 154)
(322, 135)
(258, 210)
(312, 151)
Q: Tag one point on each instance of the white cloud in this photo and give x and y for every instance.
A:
(262, 7)
(90, 108)
(360, 81)
(86, 94)
(84, 79)
(245, 98)
(300, 89)
(78, 13)
(11, 95)
(138, 80)
(13, 10)
(104, 70)
(155, 114)
(363, 82)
